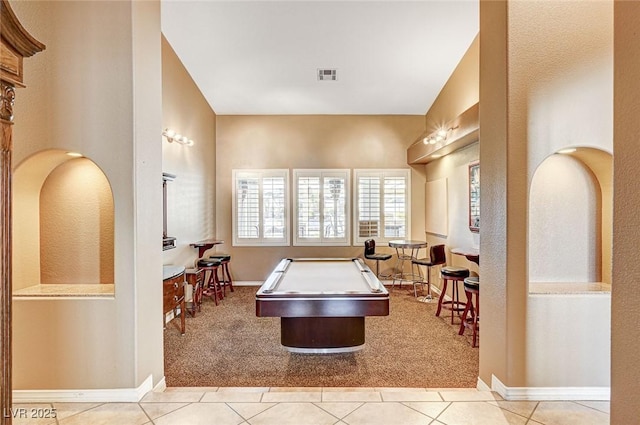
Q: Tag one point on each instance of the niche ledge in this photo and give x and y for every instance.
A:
(569, 288)
(75, 290)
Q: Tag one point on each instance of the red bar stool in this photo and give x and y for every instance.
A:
(225, 259)
(471, 290)
(212, 287)
(454, 274)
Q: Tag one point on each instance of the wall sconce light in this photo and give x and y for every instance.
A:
(439, 136)
(172, 136)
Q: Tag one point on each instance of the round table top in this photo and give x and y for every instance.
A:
(472, 254)
(465, 251)
(406, 243)
(207, 242)
(169, 272)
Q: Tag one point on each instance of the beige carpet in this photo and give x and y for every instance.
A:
(228, 345)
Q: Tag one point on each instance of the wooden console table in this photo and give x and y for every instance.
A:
(173, 293)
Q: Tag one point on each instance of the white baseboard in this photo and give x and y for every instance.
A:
(550, 393)
(118, 395)
(160, 386)
(482, 386)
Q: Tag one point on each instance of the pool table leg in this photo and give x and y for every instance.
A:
(322, 334)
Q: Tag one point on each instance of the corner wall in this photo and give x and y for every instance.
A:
(625, 356)
(191, 203)
(146, 306)
(546, 83)
(459, 94)
(96, 90)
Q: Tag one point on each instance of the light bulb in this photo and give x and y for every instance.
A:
(568, 150)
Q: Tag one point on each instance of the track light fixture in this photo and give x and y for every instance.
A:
(172, 136)
(438, 137)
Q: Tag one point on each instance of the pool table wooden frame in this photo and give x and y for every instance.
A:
(322, 303)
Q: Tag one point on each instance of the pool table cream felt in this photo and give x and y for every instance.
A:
(323, 277)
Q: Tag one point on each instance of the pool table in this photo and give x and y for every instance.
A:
(322, 303)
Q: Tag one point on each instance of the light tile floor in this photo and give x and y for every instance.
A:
(318, 406)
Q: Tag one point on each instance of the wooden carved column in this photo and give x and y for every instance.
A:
(15, 44)
(6, 98)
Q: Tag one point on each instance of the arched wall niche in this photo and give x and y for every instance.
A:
(570, 222)
(64, 213)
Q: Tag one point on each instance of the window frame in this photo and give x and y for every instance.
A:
(381, 173)
(261, 240)
(344, 173)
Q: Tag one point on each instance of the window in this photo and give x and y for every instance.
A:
(382, 205)
(321, 199)
(260, 207)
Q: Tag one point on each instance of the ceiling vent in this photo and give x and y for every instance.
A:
(327, 74)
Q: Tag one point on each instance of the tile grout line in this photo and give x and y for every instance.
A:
(329, 413)
(422, 413)
(527, 417)
(443, 410)
(578, 402)
(145, 412)
(533, 412)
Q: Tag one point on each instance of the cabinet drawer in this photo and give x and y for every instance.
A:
(173, 286)
(172, 292)
(171, 301)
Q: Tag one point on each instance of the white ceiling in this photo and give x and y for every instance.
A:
(262, 57)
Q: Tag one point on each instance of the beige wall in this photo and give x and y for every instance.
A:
(147, 195)
(28, 178)
(566, 81)
(546, 83)
(76, 232)
(326, 141)
(96, 90)
(600, 163)
(598, 172)
(564, 197)
(495, 356)
(460, 92)
(564, 86)
(191, 199)
(455, 168)
(625, 356)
